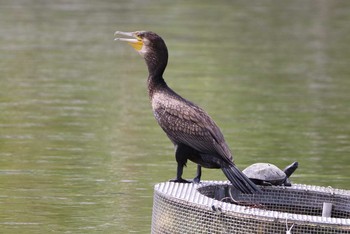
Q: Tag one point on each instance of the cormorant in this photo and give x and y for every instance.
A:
(194, 134)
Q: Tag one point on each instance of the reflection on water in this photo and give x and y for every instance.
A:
(79, 148)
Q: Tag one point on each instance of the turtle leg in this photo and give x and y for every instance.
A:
(266, 183)
(287, 183)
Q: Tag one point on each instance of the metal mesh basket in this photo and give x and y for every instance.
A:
(216, 207)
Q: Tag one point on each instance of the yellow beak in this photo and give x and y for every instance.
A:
(135, 42)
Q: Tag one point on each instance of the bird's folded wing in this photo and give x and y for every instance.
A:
(190, 125)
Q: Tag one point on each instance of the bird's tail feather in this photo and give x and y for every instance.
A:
(239, 180)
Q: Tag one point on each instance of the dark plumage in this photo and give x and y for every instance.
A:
(194, 134)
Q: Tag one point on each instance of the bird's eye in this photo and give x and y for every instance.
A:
(137, 34)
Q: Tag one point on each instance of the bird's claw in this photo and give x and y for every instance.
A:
(180, 180)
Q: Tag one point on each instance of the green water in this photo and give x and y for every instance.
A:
(80, 150)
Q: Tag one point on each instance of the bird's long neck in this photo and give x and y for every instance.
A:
(156, 63)
(154, 84)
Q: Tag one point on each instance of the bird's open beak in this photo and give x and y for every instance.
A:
(135, 41)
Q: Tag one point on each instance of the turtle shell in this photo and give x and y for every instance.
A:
(265, 174)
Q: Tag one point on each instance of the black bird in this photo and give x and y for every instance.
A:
(194, 134)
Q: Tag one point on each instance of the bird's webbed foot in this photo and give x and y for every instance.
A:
(197, 179)
(180, 180)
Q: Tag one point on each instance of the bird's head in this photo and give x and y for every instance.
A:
(150, 46)
(142, 41)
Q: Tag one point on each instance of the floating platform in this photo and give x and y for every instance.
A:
(216, 207)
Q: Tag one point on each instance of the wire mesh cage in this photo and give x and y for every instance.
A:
(216, 207)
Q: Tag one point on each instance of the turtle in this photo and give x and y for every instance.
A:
(268, 174)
